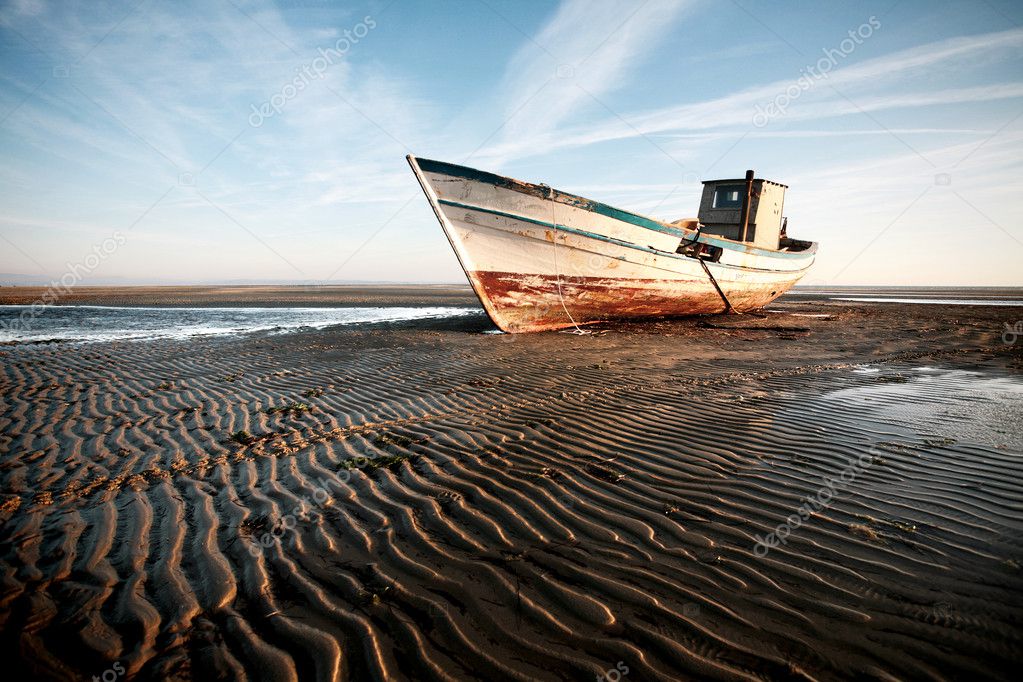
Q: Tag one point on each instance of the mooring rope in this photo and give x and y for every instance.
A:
(728, 305)
(557, 272)
(691, 242)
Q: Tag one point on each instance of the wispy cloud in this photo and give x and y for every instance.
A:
(164, 96)
(587, 49)
(889, 82)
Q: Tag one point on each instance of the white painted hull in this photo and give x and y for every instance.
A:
(541, 259)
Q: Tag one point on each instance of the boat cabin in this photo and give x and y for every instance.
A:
(747, 209)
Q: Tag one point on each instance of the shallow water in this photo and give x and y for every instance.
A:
(955, 404)
(104, 323)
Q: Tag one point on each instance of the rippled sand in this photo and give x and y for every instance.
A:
(424, 501)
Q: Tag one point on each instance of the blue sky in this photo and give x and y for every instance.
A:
(904, 159)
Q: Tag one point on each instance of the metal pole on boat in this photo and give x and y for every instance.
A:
(744, 218)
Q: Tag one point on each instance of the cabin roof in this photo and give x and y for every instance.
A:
(742, 181)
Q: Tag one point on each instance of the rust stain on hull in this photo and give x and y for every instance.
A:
(522, 303)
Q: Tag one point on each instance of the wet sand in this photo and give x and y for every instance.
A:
(426, 501)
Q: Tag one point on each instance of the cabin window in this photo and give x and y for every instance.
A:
(729, 196)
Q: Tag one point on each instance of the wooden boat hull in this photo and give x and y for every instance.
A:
(539, 259)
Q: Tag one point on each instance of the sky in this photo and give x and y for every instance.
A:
(242, 140)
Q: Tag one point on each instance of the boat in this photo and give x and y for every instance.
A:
(542, 259)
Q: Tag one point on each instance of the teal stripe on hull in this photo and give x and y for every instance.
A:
(444, 168)
(594, 235)
(451, 169)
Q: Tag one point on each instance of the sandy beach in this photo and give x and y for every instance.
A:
(825, 490)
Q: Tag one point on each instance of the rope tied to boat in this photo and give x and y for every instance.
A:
(706, 269)
(728, 304)
(557, 272)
